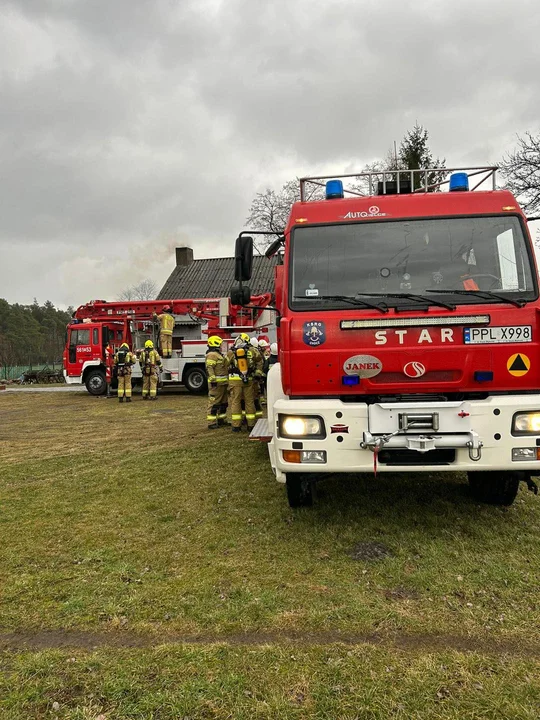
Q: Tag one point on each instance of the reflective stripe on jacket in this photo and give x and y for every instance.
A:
(166, 322)
(217, 367)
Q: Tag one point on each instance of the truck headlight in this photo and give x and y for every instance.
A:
(526, 423)
(301, 426)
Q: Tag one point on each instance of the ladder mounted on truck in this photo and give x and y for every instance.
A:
(396, 182)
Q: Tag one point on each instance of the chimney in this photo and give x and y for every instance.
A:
(184, 256)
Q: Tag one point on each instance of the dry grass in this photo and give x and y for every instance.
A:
(134, 519)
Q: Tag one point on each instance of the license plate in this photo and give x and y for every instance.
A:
(503, 334)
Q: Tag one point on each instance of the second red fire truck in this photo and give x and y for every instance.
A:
(99, 328)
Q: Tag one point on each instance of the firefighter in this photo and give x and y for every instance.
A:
(243, 373)
(272, 360)
(123, 363)
(166, 327)
(150, 363)
(217, 370)
(258, 386)
(264, 350)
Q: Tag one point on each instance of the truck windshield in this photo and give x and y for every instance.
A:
(410, 256)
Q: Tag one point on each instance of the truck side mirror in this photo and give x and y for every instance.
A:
(273, 248)
(240, 295)
(243, 258)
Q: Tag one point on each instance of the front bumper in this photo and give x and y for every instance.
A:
(469, 436)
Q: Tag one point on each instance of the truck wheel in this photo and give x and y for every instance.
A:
(95, 382)
(494, 488)
(299, 490)
(195, 381)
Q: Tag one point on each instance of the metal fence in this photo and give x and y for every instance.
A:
(14, 372)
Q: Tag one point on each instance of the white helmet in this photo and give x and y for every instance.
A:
(254, 342)
(273, 349)
(263, 343)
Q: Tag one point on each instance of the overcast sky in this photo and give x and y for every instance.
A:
(128, 127)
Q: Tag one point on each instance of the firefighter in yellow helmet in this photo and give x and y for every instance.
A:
(166, 327)
(217, 370)
(124, 360)
(150, 363)
(243, 373)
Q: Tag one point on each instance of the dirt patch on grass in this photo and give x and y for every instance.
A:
(370, 551)
(89, 641)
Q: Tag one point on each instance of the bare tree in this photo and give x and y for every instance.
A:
(269, 211)
(145, 290)
(521, 170)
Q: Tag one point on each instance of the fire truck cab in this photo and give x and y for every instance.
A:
(409, 332)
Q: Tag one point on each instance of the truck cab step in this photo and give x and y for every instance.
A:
(261, 431)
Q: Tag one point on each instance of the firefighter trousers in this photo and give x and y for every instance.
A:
(218, 399)
(166, 345)
(257, 392)
(124, 386)
(239, 391)
(149, 385)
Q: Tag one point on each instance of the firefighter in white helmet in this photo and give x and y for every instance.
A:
(217, 370)
(258, 386)
(273, 354)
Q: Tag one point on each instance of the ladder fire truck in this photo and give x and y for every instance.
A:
(99, 328)
(409, 332)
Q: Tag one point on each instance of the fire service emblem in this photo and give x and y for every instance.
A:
(314, 333)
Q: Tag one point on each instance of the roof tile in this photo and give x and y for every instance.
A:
(213, 278)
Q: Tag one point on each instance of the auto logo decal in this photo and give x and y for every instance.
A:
(339, 428)
(414, 369)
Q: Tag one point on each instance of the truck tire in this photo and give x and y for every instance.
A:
(195, 380)
(299, 490)
(494, 488)
(95, 382)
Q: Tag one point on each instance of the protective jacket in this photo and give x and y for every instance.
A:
(123, 362)
(166, 323)
(217, 366)
(149, 361)
(237, 371)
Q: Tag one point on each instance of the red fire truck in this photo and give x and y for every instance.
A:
(409, 333)
(99, 328)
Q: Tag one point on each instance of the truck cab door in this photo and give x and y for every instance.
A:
(80, 347)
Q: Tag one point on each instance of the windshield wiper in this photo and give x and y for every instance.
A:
(411, 296)
(486, 294)
(353, 301)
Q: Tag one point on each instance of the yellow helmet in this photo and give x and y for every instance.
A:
(148, 344)
(215, 341)
(124, 345)
(244, 337)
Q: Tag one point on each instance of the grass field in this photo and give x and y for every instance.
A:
(152, 569)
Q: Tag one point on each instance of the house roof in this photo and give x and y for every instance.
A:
(213, 278)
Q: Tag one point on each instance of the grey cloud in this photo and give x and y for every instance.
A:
(125, 126)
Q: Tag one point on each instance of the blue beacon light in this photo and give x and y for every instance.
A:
(459, 182)
(334, 189)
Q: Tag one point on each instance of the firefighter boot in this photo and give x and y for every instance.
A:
(128, 399)
(120, 399)
(236, 429)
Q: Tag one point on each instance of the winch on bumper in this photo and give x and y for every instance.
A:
(425, 436)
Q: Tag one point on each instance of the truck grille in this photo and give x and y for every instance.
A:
(430, 376)
(404, 456)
